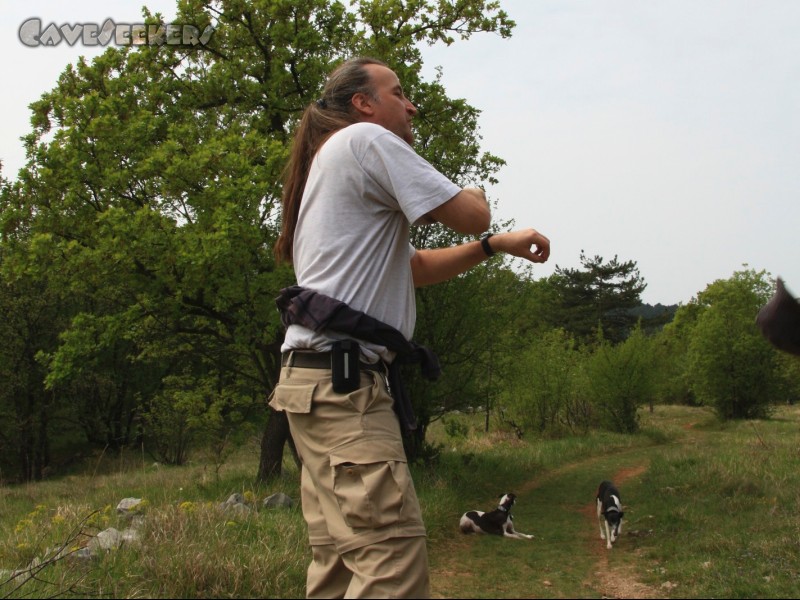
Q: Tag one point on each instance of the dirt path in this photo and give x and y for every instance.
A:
(453, 571)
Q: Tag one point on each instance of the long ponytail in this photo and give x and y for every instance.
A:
(323, 117)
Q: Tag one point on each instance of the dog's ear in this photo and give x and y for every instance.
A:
(622, 514)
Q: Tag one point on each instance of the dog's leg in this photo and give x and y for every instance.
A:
(600, 518)
(616, 530)
(509, 531)
(517, 535)
(608, 535)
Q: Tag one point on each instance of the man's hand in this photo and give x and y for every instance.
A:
(520, 243)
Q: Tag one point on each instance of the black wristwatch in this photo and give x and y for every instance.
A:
(485, 244)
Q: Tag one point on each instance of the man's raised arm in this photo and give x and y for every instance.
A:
(440, 264)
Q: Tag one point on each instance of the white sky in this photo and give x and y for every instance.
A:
(665, 132)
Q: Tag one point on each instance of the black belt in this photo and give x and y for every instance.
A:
(320, 360)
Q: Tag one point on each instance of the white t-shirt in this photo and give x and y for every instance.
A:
(364, 188)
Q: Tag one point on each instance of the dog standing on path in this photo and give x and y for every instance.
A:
(497, 522)
(609, 512)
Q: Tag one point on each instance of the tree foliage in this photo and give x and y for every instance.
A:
(27, 409)
(137, 278)
(732, 367)
(599, 295)
(147, 211)
(619, 379)
(467, 322)
(540, 394)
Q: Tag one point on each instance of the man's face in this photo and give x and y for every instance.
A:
(392, 109)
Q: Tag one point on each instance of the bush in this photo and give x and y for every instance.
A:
(455, 429)
(619, 379)
(540, 393)
(732, 367)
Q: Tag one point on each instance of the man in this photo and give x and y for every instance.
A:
(354, 185)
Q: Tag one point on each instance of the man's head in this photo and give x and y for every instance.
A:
(387, 105)
(370, 92)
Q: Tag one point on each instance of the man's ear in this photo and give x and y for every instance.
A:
(363, 103)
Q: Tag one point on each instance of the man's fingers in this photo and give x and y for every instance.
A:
(542, 246)
(528, 244)
(539, 256)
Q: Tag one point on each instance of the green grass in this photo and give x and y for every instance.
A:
(188, 547)
(723, 510)
(738, 534)
(711, 511)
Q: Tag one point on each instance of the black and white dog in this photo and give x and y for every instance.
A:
(609, 512)
(497, 522)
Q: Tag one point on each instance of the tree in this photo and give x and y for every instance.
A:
(26, 410)
(600, 295)
(540, 391)
(788, 368)
(467, 322)
(154, 221)
(33, 426)
(619, 379)
(731, 365)
(149, 202)
(671, 347)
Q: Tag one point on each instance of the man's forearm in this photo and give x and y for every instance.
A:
(440, 264)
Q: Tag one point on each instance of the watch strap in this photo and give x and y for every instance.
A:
(485, 244)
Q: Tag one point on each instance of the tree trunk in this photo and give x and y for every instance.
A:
(276, 434)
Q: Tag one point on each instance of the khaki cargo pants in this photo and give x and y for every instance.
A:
(364, 521)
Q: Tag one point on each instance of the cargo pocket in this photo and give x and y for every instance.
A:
(293, 397)
(370, 480)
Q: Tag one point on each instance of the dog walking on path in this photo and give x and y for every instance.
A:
(609, 512)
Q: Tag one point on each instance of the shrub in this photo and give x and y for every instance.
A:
(620, 378)
(540, 392)
(732, 367)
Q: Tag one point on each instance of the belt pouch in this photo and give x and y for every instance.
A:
(345, 366)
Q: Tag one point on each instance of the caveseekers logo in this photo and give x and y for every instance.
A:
(31, 33)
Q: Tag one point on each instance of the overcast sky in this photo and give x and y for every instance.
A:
(665, 132)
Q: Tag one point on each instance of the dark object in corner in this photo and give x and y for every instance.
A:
(779, 320)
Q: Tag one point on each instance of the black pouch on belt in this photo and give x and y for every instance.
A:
(345, 366)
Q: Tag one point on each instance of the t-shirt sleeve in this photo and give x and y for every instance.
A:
(411, 180)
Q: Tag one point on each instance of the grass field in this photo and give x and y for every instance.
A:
(711, 510)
